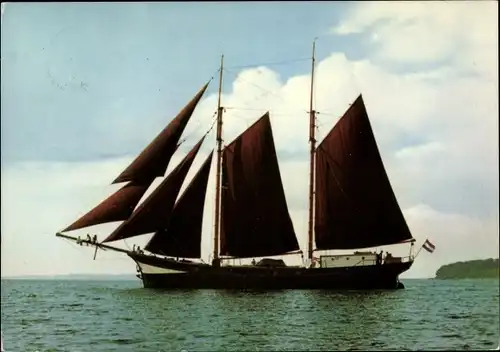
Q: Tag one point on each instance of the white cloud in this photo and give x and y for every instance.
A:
(457, 238)
(436, 129)
(464, 32)
(2, 10)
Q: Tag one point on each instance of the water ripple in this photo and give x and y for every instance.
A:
(121, 316)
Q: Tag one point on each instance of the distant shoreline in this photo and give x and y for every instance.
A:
(471, 269)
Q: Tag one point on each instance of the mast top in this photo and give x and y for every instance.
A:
(312, 142)
(220, 109)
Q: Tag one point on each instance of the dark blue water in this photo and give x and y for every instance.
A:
(121, 316)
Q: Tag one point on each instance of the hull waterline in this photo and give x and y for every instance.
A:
(163, 273)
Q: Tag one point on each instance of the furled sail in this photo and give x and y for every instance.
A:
(254, 215)
(182, 238)
(153, 214)
(118, 207)
(154, 159)
(355, 204)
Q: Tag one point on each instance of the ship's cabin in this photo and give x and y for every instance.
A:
(355, 259)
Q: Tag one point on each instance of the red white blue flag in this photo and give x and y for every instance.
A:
(428, 246)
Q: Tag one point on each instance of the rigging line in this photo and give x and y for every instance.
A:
(315, 92)
(274, 112)
(328, 113)
(257, 97)
(245, 119)
(245, 109)
(196, 129)
(213, 76)
(126, 244)
(239, 117)
(255, 100)
(213, 124)
(275, 63)
(315, 83)
(256, 86)
(72, 244)
(266, 91)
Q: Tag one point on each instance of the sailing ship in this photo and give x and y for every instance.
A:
(352, 206)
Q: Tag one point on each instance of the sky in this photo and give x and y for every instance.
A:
(85, 87)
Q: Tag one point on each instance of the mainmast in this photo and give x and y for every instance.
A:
(215, 260)
(312, 141)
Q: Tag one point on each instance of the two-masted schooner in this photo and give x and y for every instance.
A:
(351, 206)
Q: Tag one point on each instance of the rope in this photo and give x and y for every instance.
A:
(266, 92)
(418, 252)
(275, 63)
(72, 244)
(75, 246)
(246, 119)
(273, 112)
(126, 244)
(213, 124)
(255, 85)
(191, 133)
(246, 109)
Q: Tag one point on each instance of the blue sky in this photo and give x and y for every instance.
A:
(86, 86)
(70, 64)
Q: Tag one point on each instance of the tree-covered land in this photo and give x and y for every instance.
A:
(472, 269)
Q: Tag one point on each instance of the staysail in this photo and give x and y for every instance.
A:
(182, 238)
(154, 159)
(254, 215)
(118, 207)
(355, 204)
(153, 214)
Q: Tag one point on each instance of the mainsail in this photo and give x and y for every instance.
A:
(154, 159)
(254, 215)
(355, 204)
(154, 213)
(182, 237)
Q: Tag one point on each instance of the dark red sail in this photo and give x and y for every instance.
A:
(355, 204)
(153, 214)
(118, 207)
(154, 159)
(254, 215)
(182, 238)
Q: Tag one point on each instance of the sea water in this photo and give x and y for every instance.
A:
(122, 316)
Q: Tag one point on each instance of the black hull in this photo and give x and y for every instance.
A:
(203, 276)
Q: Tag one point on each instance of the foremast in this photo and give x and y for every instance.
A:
(220, 110)
(312, 143)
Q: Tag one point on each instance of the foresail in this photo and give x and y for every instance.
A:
(153, 214)
(118, 207)
(154, 159)
(183, 235)
(254, 215)
(355, 204)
